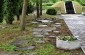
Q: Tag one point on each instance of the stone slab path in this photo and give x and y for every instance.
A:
(76, 24)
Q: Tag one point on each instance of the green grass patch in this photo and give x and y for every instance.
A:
(8, 48)
(46, 50)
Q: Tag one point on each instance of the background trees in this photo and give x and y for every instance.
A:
(1, 11)
(18, 8)
(8, 11)
(82, 2)
(30, 7)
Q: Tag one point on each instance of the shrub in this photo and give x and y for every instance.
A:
(51, 11)
(67, 38)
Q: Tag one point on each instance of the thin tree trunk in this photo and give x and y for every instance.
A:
(18, 18)
(23, 15)
(40, 7)
(37, 6)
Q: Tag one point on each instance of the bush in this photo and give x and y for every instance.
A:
(67, 38)
(51, 11)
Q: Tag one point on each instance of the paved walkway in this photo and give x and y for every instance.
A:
(76, 24)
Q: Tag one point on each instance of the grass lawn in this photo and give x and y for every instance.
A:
(59, 4)
(10, 33)
(78, 7)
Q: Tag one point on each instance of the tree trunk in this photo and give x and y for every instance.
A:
(18, 18)
(40, 7)
(23, 15)
(37, 7)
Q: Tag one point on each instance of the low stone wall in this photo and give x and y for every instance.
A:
(67, 45)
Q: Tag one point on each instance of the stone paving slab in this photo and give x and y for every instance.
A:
(19, 42)
(44, 29)
(39, 35)
(40, 41)
(56, 31)
(37, 29)
(42, 25)
(58, 23)
(26, 48)
(52, 36)
(76, 24)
